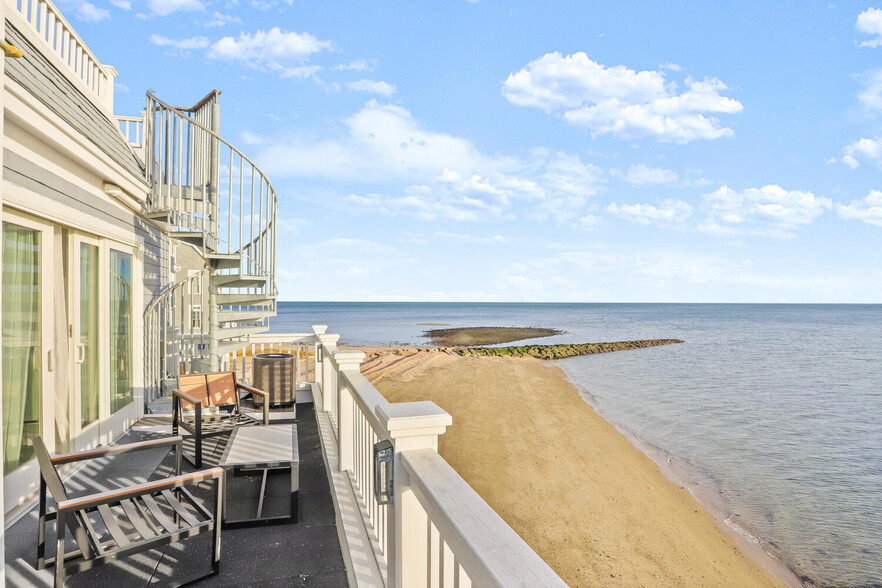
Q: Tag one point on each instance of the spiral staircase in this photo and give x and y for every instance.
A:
(214, 199)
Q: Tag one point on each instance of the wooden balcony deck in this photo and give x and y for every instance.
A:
(305, 554)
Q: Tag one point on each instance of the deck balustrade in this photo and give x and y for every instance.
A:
(43, 24)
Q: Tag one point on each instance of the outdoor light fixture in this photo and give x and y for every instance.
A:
(383, 455)
(319, 353)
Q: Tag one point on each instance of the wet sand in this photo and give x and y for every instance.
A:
(486, 335)
(594, 507)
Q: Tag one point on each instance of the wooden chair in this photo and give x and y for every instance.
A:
(111, 525)
(196, 392)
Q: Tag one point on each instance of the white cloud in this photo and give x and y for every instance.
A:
(372, 87)
(118, 87)
(357, 65)
(643, 175)
(865, 149)
(182, 44)
(871, 96)
(218, 20)
(770, 211)
(620, 101)
(437, 175)
(670, 212)
(166, 7)
(249, 138)
(301, 72)
(272, 49)
(122, 4)
(869, 22)
(868, 210)
(91, 13)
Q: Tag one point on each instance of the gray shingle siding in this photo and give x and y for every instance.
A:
(34, 72)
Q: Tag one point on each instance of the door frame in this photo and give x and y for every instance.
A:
(22, 481)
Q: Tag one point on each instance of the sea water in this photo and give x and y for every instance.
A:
(770, 414)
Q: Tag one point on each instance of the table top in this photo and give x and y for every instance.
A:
(261, 446)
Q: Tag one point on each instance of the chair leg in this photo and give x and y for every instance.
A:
(61, 524)
(41, 529)
(218, 514)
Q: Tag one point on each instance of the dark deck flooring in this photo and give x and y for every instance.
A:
(302, 554)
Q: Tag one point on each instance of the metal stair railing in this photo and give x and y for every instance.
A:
(210, 187)
(174, 336)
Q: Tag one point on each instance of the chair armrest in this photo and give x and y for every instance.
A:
(116, 450)
(120, 494)
(252, 389)
(187, 397)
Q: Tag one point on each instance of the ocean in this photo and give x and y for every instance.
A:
(770, 414)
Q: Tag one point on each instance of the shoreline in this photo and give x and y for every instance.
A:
(706, 493)
(400, 372)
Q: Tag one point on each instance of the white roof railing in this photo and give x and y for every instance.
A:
(44, 26)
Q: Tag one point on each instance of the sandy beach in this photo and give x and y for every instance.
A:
(594, 507)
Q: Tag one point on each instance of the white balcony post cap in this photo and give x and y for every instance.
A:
(349, 359)
(329, 339)
(319, 329)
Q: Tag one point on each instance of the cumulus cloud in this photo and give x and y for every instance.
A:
(273, 49)
(770, 211)
(372, 87)
(166, 7)
(122, 4)
(438, 175)
(669, 212)
(91, 13)
(869, 22)
(187, 44)
(868, 210)
(621, 101)
(862, 149)
(643, 175)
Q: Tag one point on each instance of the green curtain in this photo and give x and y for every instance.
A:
(120, 330)
(21, 343)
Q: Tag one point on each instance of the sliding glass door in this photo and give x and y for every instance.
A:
(26, 357)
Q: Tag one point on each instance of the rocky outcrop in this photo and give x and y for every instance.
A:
(561, 351)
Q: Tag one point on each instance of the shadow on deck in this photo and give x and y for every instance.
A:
(306, 553)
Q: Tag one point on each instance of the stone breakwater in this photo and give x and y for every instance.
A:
(561, 351)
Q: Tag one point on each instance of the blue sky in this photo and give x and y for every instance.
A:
(538, 151)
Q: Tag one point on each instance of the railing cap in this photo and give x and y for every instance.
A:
(347, 359)
(319, 329)
(329, 339)
(411, 419)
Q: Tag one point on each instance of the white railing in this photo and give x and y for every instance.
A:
(173, 337)
(58, 38)
(437, 531)
(132, 128)
(301, 345)
(210, 186)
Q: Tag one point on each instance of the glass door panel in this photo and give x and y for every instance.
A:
(22, 343)
(121, 330)
(87, 355)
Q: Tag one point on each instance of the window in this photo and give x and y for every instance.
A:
(195, 285)
(196, 317)
(121, 353)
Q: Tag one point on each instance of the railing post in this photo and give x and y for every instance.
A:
(329, 380)
(319, 330)
(411, 425)
(347, 361)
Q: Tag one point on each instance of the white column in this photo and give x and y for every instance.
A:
(329, 379)
(347, 362)
(411, 425)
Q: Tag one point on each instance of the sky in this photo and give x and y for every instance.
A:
(538, 151)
